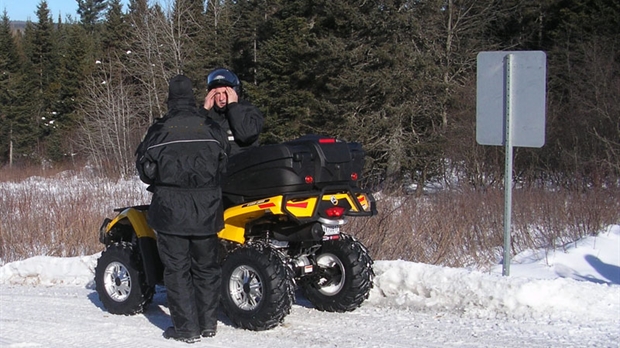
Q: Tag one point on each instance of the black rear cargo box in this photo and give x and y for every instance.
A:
(271, 170)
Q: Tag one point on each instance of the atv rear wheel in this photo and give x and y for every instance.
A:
(257, 287)
(120, 282)
(345, 276)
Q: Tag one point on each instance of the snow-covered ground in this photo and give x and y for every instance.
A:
(550, 299)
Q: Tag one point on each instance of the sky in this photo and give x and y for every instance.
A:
(568, 297)
(22, 10)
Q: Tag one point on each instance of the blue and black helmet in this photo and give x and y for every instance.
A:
(223, 77)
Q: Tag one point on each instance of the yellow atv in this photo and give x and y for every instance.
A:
(285, 207)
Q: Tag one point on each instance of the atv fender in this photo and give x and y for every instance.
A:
(137, 220)
(145, 240)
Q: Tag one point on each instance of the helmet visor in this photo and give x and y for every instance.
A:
(222, 77)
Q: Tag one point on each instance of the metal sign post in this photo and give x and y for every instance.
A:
(507, 167)
(510, 111)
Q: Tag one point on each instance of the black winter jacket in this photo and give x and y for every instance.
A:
(182, 157)
(241, 121)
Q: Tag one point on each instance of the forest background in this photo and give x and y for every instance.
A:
(397, 76)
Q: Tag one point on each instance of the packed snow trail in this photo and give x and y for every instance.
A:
(51, 302)
(62, 316)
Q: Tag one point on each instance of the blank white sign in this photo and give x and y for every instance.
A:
(527, 93)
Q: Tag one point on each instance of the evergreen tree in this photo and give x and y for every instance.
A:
(289, 102)
(296, 62)
(115, 28)
(398, 76)
(248, 34)
(41, 51)
(218, 36)
(91, 12)
(9, 81)
(8, 46)
(41, 82)
(75, 64)
(583, 64)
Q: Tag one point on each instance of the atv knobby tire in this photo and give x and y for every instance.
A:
(120, 282)
(345, 276)
(257, 287)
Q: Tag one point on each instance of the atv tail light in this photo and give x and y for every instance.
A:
(334, 212)
(334, 237)
(309, 179)
(354, 176)
(327, 141)
(363, 202)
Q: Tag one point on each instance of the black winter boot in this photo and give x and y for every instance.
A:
(171, 332)
(208, 332)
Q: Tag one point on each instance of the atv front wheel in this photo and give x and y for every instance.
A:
(257, 287)
(344, 277)
(119, 281)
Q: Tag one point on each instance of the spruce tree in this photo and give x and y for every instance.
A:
(8, 46)
(218, 35)
(91, 12)
(9, 80)
(41, 82)
(582, 143)
(287, 82)
(115, 28)
(75, 66)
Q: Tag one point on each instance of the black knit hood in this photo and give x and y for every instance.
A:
(180, 93)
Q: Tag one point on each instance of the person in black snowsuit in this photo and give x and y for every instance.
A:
(182, 158)
(241, 120)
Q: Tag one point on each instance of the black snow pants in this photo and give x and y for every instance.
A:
(192, 275)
